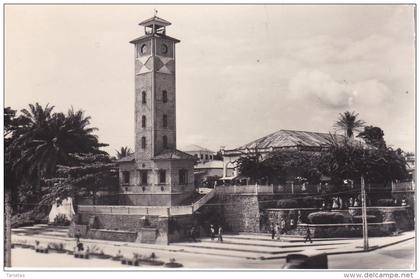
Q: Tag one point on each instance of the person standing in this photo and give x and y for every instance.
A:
(308, 235)
(193, 234)
(219, 236)
(277, 231)
(212, 232)
(273, 230)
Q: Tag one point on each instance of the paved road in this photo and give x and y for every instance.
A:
(399, 256)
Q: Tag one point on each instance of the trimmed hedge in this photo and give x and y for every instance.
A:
(326, 217)
(287, 204)
(385, 202)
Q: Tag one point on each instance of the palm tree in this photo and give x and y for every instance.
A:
(123, 152)
(349, 123)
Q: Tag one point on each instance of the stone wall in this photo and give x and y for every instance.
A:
(399, 214)
(240, 213)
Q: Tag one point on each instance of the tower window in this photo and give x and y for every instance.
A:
(143, 97)
(164, 96)
(143, 142)
(165, 121)
(183, 178)
(162, 176)
(143, 177)
(126, 177)
(165, 141)
(143, 121)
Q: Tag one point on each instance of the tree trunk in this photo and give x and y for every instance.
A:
(8, 228)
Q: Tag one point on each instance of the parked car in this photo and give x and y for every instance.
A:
(308, 259)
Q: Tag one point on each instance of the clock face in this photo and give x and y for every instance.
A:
(164, 49)
(143, 49)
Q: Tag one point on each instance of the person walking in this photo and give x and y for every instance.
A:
(193, 234)
(273, 230)
(308, 235)
(277, 231)
(212, 232)
(219, 236)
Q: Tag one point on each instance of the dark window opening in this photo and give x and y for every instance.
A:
(126, 177)
(207, 157)
(164, 96)
(143, 142)
(201, 156)
(183, 177)
(162, 176)
(143, 97)
(143, 121)
(143, 177)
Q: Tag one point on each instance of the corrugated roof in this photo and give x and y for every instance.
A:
(174, 154)
(155, 20)
(194, 148)
(290, 138)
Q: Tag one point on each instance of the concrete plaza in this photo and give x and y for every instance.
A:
(257, 251)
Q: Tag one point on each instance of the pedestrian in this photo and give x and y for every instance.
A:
(219, 236)
(308, 235)
(277, 231)
(283, 226)
(212, 232)
(273, 230)
(192, 234)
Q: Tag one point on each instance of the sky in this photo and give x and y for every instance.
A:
(242, 71)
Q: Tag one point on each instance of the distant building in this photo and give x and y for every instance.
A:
(201, 153)
(280, 140)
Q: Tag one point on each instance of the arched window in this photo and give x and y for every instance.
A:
(164, 96)
(165, 121)
(143, 121)
(165, 141)
(143, 97)
(143, 142)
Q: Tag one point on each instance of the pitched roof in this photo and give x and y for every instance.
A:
(214, 164)
(194, 148)
(125, 159)
(290, 138)
(158, 35)
(174, 154)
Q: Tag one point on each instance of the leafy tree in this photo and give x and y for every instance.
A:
(290, 164)
(373, 136)
(349, 123)
(252, 166)
(91, 173)
(123, 152)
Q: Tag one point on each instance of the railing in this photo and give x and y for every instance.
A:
(203, 200)
(131, 210)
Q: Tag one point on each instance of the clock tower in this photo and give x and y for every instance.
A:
(157, 174)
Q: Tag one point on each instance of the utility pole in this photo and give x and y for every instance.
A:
(364, 215)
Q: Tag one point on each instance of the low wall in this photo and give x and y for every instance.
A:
(345, 230)
(290, 215)
(398, 214)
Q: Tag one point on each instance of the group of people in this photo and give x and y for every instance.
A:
(194, 233)
(278, 229)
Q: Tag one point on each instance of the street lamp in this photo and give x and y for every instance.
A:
(364, 214)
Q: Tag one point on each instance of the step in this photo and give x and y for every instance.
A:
(273, 243)
(289, 238)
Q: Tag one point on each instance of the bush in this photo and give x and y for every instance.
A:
(312, 202)
(287, 204)
(62, 220)
(325, 217)
(385, 202)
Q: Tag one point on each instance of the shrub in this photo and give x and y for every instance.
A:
(287, 204)
(385, 202)
(62, 220)
(312, 202)
(325, 217)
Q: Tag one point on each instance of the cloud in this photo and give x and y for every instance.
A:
(318, 86)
